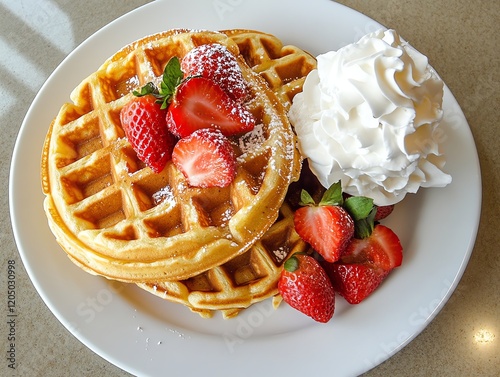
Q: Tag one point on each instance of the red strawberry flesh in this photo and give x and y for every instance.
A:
(206, 158)
(200, 103)
(365, 264)
(383, 212)
(381, 249)
(355, 282)
(328, 229)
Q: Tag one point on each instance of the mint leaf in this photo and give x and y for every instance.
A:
(359, 207)
(149, 88)
(172, 77)
(332, 196)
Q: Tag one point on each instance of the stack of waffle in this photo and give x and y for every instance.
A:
(207, 248)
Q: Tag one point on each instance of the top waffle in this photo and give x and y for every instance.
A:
(116, 218)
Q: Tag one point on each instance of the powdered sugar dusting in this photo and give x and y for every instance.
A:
(216, 62)
(163, 194)
(227, 215)
(253, 140)
(280, 253)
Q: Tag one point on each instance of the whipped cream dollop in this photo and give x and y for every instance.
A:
(369, 116)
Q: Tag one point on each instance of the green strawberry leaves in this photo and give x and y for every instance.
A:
(292, 264)
(360, 208)
(331, 197)
(172, 77)
(363, 227)
(362, 211)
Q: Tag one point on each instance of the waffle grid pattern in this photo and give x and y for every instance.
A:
(116, 218)
(284, 67)
(246, 279)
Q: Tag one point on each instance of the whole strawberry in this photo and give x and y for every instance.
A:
(145, 126)
(355, 281)
(215, 62)
(305, 286)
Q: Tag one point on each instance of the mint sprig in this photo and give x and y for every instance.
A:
(149, 88)
(172, 77)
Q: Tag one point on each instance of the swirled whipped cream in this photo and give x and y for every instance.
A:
(369, 116)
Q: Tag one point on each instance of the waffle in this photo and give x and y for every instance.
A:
(253, 276)
(241, 282)
(284, 67)
(115, 217)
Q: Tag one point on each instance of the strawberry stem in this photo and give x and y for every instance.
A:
(363, 227)
(306, 199)
(292, 264)
(359, 207)
(332, 196)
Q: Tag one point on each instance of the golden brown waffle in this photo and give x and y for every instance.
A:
(284, 67)
(115, 217)
(244, 280)
(253, 276)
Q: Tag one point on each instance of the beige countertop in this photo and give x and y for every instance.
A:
(461, 39)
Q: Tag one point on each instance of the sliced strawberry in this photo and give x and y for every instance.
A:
(365, 264)
(382, 249)
(355, 282)
(305, 286)
(215, 62)
(206, 158)
(327, 227)
(145, 127)
(200, 103)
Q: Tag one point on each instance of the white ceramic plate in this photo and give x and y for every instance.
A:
(146, 336)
